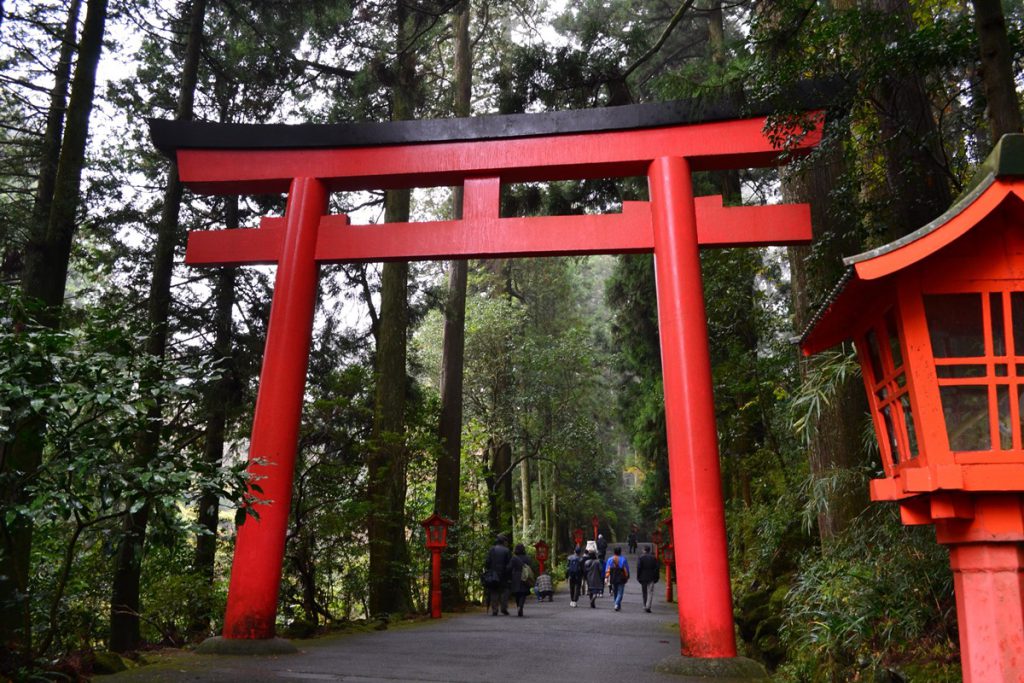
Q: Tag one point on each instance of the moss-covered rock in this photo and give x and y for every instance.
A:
(109, 663)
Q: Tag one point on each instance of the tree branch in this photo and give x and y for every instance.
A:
(676, 18)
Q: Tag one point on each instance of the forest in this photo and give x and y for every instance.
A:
(514, 395)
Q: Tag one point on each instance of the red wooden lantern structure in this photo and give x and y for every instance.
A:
(577, 537)
(937, 319)
(656, 538)
(670, 558)
(665, 142)
(436, 527)
(593, 523)
(541, 552)
(669, 555)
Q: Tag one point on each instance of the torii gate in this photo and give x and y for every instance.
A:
(664, 142)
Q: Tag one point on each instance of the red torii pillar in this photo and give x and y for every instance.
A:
(673, 225)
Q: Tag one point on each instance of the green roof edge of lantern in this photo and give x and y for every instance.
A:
(1005, 160)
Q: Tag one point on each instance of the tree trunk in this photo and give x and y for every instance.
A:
(47, 256)
(220, 396)
(835, 441)
(449, 464)
(915, 165)
(124, 601)
(500, 498)
(50, 153)
(997, 68)
(526, 495)
(389, 586)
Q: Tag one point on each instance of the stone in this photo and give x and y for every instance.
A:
(718, 670)
(218, 645)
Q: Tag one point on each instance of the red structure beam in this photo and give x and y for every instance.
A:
(717, 145)
(491, 237)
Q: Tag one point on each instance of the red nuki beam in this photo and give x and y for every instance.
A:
(480, 235)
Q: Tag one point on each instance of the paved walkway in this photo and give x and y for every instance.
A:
(552, 641)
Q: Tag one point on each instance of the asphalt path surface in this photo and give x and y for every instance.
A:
(551, 642)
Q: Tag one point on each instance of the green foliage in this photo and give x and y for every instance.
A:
(94, 399)
(882, 596)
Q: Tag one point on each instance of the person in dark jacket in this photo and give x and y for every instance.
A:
(498, 559)
(647, 570)
(602, 548)
(595, 577)
(517, 586)
(574, 571)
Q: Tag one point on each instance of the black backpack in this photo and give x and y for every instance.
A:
(617, 574)
(574, 566)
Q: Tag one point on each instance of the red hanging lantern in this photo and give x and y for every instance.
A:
(577, 536)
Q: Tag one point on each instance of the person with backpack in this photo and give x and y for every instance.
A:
(647, 571)
(522, 576)
(574, 573)
(617, 573)
(495, 576)
(595, 577)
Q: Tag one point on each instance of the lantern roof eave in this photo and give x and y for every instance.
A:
(863, 277)
(1006, 160)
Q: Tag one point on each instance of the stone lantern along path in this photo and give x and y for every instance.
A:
(549, 641)
(937, 318)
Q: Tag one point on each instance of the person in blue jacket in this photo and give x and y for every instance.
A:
(616, 571)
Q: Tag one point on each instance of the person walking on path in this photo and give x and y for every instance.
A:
(631, 540)
(602, 548)
(617, 572)
(647, 571)
(496, 575)
(518, 584)
(595, 577)
(575, 574)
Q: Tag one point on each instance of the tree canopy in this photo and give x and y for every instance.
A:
(127, 380)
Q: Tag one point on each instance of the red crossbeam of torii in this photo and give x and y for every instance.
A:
(672, 224)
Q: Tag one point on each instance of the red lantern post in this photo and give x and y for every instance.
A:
(577, 536)
(670, 542)
(670, 558)
(593, 522)
(542, 553)
(656, 539)
(436, 527)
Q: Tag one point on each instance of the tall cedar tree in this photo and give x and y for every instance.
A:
(387, 460)
(47, 257)
(997, 68)
(449, 463)
(124, 600)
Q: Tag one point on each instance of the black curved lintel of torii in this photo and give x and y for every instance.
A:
(169, 136)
